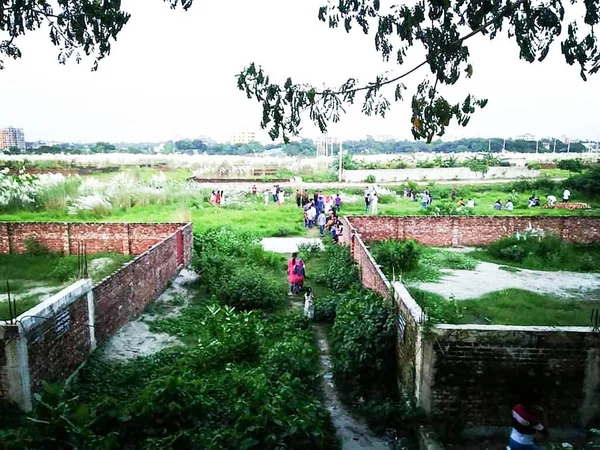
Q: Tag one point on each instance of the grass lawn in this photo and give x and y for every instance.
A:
(507, 307)
(32, 276)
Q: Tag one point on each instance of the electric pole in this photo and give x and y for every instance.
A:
(340, 164)
(537, 146)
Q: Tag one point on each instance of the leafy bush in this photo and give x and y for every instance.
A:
(325, 308)
(534, 165)
(572, 165)
(65, 269)
(246, 290)
(512, 253)
(34, 247)
(397, 256)
(283, 232)
(542, 252)
(587, 182)
(340, 273)
(370, 179)
(363, 343)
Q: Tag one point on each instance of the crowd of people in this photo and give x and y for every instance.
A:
(322, 211)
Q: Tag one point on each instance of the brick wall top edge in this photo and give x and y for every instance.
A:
(413, 216)
(137, 258)
(377, 268)
(444, 328)
(182, 224)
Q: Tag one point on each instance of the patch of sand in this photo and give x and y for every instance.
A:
(135, 339)
(488, 277)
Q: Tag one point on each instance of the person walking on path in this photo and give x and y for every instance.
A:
(526, 423)
(292, 278)
(321, 221)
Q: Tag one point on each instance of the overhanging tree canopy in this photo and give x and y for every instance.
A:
(438, 28)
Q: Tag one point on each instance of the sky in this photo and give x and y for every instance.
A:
(172, 75)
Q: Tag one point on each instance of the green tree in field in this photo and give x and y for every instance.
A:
(572, 165)
(437, 30)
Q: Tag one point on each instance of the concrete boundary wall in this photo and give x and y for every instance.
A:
(49, 342)
(438, 173)
(470, 376)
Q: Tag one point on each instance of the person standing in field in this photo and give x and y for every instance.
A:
(311, 214)
(298, 198)
(280, 197)
(566, 195)
(267, 195)
(254, 190)
(367, 199)
(305, 197)
(338, 203)
(322, 221)
(453, 193)
(218, 198)
(374, 202)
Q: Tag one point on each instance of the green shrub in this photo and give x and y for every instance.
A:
(437, 308)
(65, 269)
(325, 308)
(340, 273)
(370, 179)
(34, 247)
(245, 289)
(587, 182)
(283, 232)
(572, 165)
(397, 256)
(512, 253)
(363, 343)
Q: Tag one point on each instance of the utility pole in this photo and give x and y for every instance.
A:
(537, 146)
(503, 145)
(554, 151)
(568, 146)
(340, 164)
(489, 146)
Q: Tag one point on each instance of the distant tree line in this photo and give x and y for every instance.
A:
(307, 147)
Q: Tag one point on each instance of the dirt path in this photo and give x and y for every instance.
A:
(135, 339)
(287, 245)
(489, 277)
(352, 434)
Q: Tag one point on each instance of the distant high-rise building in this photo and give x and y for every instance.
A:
(525, 137)
(12, 138)
(243, 137)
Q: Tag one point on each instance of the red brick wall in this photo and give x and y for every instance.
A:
(125, 293)
(53, 359)
(99, 237)
(471, 230)
(371, 275)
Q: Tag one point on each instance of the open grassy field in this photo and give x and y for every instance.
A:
(506, 307)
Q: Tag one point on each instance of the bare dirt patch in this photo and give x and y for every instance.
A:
(135, 339)
(488, 277)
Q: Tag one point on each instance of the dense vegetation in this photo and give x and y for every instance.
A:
(535, 250)
(242, 379)
(363, 340)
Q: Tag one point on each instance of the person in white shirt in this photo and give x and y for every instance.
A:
(374, 201)
(280, 197)
(471, 203)
(566, 195)
(509, 205)
(551, 200)
(310, 215)
(267, 196)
